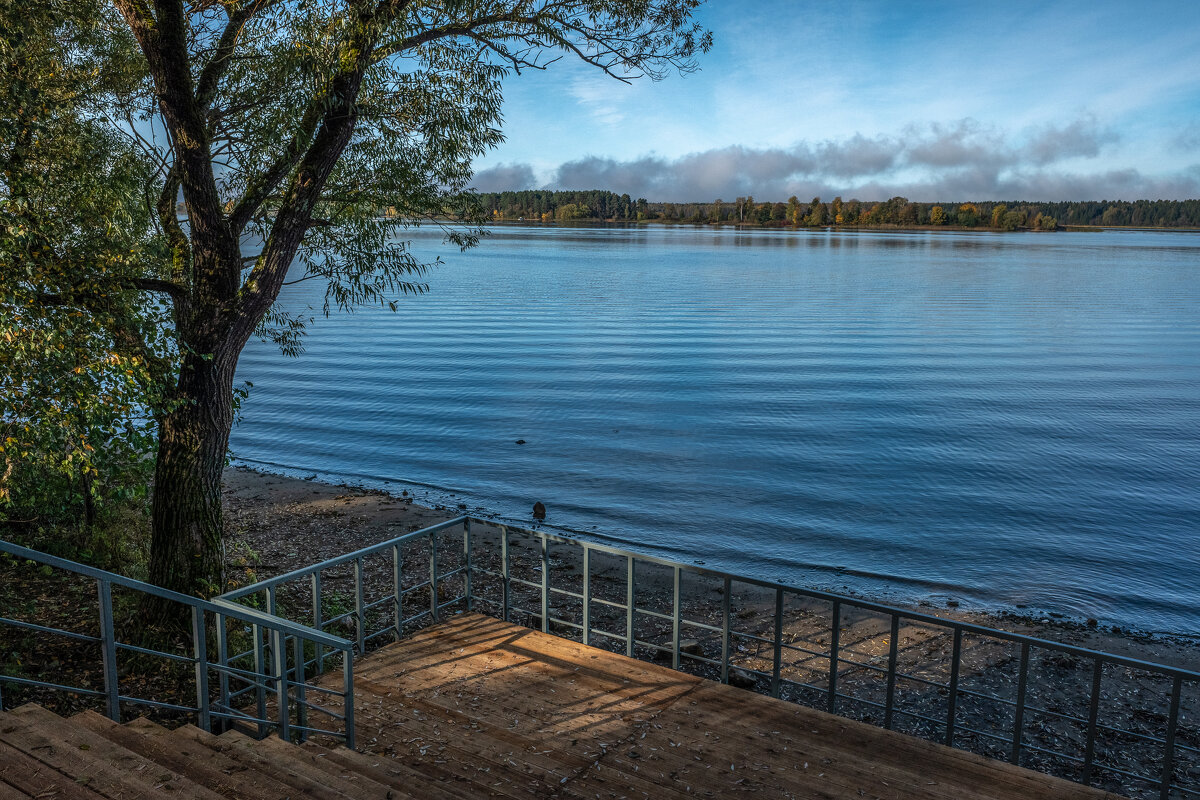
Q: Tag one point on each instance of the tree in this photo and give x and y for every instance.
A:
(816, 213)
(291, 124)
(998, 212)
(937, 216)
(968, 215)
(793, 211)
(80, 350)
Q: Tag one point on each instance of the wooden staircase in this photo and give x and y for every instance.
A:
(89, 756)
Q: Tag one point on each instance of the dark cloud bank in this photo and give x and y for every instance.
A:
(953, 162)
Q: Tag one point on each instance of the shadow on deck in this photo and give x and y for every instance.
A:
(480, 707)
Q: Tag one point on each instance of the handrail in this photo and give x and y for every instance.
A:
(337, 561)
(216, 606)
(276, 641)
(817, 594)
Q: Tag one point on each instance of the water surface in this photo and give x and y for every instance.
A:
(1005, 419)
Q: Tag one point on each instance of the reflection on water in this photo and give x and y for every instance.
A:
(1008, 419)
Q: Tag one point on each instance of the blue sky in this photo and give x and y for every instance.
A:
(935, 101)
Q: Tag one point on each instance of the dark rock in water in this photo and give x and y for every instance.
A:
(742, 679)
(1092, 622)
(539, 510)
(952, 604)
(520, 441)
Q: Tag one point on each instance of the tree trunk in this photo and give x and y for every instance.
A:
(186, 552)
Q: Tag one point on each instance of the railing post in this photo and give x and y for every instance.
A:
(777, 645)
(726, 607)
(260, 678)
(301, 688)
(1169, 744)
(893, 652)
(675, 613)
(360, 616)
(108, 644)
(952, 699)
(834, 655)
(1089, 753)
(348, 696)
(1019, 711)
(470, 588)
(433, 578)
(279, 676)
(318, 621)
(223, 660)
(587, 596)
(398, 591)
(504, 576)
(545, 584)
(629, 595)
(200, 653)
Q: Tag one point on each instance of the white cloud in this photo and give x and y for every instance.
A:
(954, 161)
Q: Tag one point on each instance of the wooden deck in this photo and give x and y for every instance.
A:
(480, 708)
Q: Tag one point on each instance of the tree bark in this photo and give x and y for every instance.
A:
(186, 552)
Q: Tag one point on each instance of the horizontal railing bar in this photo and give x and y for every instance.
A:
(654, 614)
(703, 625)
(322, 709)
(1051, 753)
(389, 629)
(449, 603)
(608, 603)
(304, 572)
(58, 687)
(158, 704)
(228, 712)
(318, 731)
(43, 629)
(158, 653)
(605, 633)
(566, 593)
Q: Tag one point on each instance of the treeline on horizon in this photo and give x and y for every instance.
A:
(566, 206)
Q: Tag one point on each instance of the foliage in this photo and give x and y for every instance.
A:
(80, 347)
(608, 206)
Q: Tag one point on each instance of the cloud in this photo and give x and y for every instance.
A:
(504, 177)
(955, 161)
(1083, 137)
(1188, 139)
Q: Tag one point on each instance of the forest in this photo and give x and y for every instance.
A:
(565, 206)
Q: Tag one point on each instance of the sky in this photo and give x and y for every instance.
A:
(952, 100)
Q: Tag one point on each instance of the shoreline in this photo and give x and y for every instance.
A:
(277, 523)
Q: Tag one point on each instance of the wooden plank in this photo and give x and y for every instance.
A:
(389, 772)
(90, 760)
(32, 777)
(287, 772)
(198, 762)
(350, 784)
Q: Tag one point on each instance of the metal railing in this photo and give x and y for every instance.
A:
(232, 651)
(1093, 717)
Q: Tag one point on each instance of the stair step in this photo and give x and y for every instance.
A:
(28, 775)
(390, 772)
(230, 745)
(198, 762)
(300, 759)
(90, 760)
